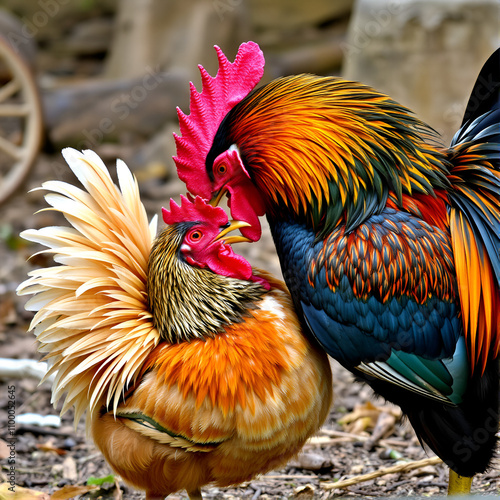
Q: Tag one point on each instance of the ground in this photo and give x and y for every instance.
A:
(53, 460)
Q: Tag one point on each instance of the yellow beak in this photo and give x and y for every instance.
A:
(235, 224)
(218, 196)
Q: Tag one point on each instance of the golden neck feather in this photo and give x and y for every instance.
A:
(326, 148)
(188, 302)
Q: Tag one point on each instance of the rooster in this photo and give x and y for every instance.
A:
(388, 243)
(191, 366)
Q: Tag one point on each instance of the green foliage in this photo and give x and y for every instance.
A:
(99, 481)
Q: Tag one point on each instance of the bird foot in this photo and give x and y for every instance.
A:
(195, 495)
(459, 485)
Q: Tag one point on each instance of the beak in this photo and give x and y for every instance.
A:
(235, 224)
(217, 197)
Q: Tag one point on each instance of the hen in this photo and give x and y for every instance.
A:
(191, 366)
(389, 243)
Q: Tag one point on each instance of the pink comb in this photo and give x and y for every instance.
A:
(219, 95)
(197, 210)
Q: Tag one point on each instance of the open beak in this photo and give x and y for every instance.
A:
(235, 224)
(217, 197)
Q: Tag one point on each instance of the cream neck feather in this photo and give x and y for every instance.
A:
(92, 319)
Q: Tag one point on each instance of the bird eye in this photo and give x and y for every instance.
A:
(221, 168)
(196, 235)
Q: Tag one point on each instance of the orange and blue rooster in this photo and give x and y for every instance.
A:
(388, 242)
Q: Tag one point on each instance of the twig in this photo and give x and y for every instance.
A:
(331, 437)
(388, 443)
(360, 491)
(382, 472)
(332, 433)
(257, 494)
(88, 458)
(316, 441)
(43, 431)
(285, 477)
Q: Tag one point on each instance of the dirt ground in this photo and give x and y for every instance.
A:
(52, 460)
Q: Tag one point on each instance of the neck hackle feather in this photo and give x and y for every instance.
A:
(188, 302)
(92, 317)
(331, 149)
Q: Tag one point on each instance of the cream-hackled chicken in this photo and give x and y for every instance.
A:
(191, 366)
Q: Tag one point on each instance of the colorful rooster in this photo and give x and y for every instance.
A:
(389, 243)
(191, 366)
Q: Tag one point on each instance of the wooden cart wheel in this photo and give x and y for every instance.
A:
(21, 121)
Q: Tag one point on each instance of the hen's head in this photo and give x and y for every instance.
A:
(198, 234)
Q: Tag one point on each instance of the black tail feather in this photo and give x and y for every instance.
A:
(463, 436)
(474, 156)
(485, 94)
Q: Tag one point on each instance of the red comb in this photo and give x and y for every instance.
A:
(219, 95)
(197, 210)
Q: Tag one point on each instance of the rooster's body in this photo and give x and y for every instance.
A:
(191, 366)
(389, 244)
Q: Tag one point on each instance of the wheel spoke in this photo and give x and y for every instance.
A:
(11, 149)
(9, 89)
(14, 110)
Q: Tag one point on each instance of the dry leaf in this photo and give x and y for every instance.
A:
(8, 314)
(366, 417)
(366, 412)
(304, 492)
(48, 446)
(4, 450)
(21, 493)
(69, 491)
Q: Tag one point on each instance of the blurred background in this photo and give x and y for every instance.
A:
(108, 75)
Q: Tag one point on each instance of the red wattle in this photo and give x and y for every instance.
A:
(247, 205)
(228, 263)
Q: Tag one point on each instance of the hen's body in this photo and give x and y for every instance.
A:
(229, 407)
(192, 369)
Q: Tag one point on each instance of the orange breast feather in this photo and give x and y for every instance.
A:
(229, 407)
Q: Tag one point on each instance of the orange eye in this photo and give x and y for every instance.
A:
(221, 168)
(196, 235)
